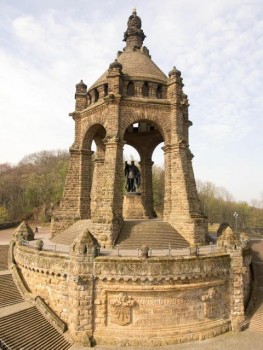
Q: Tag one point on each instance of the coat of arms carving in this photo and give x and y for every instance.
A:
(121, 309)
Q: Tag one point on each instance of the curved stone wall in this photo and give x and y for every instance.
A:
(135, 301)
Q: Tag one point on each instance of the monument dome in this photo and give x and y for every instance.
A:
(135, 58)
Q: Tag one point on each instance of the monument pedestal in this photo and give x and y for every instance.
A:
(132, 206)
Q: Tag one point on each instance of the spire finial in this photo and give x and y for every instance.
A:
(134, 35)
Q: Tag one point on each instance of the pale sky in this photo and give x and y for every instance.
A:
(47, 46)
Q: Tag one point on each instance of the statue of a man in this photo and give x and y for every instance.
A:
(133, 177)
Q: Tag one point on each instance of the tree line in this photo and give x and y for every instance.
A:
(33, 188)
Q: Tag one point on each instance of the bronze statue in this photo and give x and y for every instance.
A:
(133, 177)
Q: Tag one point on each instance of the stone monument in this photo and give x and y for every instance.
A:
(140, 299)
(132, 103)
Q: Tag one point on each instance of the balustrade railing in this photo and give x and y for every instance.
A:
(119, 251)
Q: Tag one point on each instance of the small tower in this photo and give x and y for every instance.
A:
(132, 103)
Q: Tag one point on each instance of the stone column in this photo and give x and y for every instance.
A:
(101, 92)
(81, 288)
(92, 96)
(97, 185)
(152, 89)
(115, 78)
(77, 119)
(180, 214)
(125, 86)
(108, 217)
(75, 202)
(138, 88)
(237, 289)
(146, 186)
(167, 182)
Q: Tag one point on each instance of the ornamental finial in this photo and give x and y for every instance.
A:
(134, 34)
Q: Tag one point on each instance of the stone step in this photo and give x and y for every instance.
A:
(3, 257)
(28, 329)
(156, 234)
(9, 293)
(256, 321)
(67, 237)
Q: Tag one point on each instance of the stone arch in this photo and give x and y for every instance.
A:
(93, 131)
(154, 137)
(96, 132)
(144, 137)
(131, 118)
(95, 165)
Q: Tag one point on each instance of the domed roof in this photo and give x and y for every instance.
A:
(135, 59)
(136, 66)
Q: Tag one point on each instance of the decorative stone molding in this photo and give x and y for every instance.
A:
(121, 309)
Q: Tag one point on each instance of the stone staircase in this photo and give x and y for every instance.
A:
(68, 236)
(9, 294)
(22, 326)
(256, 321)
(3, 256)
(156, 234)
(28, 329)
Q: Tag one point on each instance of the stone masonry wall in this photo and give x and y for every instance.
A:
(127, 300)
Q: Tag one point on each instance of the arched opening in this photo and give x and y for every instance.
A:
(92, 167)
(144, 136)
(130, 89)
(159, 91)
(145, 89)
(96, 95)
(158, 179)
(131, 156)
(88, 100)
(106, 89)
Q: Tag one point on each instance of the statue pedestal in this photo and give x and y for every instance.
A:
(132, 206)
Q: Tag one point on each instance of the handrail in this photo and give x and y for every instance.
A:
(60, 248)
(119, 251)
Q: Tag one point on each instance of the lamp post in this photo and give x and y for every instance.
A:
(236, 216)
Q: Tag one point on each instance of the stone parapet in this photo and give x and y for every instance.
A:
(117, 300)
